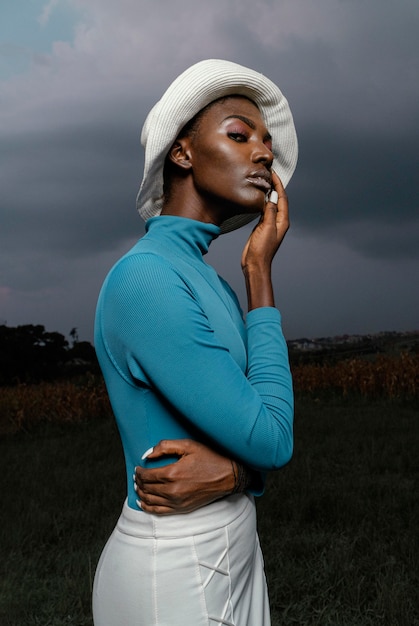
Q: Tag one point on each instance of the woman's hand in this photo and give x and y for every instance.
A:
(262, 246)
(199, 477)
(267, 236)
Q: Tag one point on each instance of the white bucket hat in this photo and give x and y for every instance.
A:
(189, 93)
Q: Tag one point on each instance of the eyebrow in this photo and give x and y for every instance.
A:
(250, 123)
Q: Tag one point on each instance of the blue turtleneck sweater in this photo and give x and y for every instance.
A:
(180, 362)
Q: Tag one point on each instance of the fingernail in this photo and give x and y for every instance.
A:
(133, 477)
(273, 197)
(138, 504)
(146, 453)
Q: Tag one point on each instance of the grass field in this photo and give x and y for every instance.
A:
(339, 525)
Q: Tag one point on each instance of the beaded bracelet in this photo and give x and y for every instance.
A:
(242, 478)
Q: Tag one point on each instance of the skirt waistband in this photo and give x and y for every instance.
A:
(206, 519)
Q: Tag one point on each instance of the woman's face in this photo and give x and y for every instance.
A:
(231, 157)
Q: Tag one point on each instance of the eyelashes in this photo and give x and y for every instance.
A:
(238, 136)
(242, 137)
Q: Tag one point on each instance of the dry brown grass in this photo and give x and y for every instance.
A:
(383, 377)
(23, 406)
(73, 401)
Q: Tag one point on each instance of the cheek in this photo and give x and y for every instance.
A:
(215, 164)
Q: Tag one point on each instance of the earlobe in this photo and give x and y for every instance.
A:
(180, 155)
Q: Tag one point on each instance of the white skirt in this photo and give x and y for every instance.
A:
(199, 569)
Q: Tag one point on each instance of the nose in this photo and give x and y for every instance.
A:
(263, 154)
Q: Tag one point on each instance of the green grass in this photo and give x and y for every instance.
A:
(62, 490)
(339, 525)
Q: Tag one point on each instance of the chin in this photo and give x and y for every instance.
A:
(245, 203)
(253, 202)
(253, 207)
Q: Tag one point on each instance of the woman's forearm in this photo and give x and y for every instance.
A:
(258, 287)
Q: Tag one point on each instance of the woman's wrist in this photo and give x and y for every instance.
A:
(259, 287)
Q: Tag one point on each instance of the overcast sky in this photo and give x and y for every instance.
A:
(77, 78)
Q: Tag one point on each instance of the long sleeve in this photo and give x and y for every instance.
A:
(164, 342)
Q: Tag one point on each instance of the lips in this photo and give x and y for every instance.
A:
(261, 179)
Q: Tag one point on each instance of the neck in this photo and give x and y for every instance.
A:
(185, 201)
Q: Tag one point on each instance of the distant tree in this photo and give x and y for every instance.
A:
(30, 354)
(81, 357)
(74, 335)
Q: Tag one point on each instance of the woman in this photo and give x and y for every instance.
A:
(180, 362)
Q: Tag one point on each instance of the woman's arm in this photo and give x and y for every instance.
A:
(199, 477)
(202, 475)
(262, 246)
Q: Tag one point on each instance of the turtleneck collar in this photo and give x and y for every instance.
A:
(191, 235)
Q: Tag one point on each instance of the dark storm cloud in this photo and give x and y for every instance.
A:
(71, 156)
(72, 189)
(362, 177)
(350, 82)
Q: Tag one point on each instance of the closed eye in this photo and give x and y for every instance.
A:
(239, 137)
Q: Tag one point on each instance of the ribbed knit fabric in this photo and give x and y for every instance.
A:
(178, 359)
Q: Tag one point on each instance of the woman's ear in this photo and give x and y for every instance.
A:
(180, 153)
